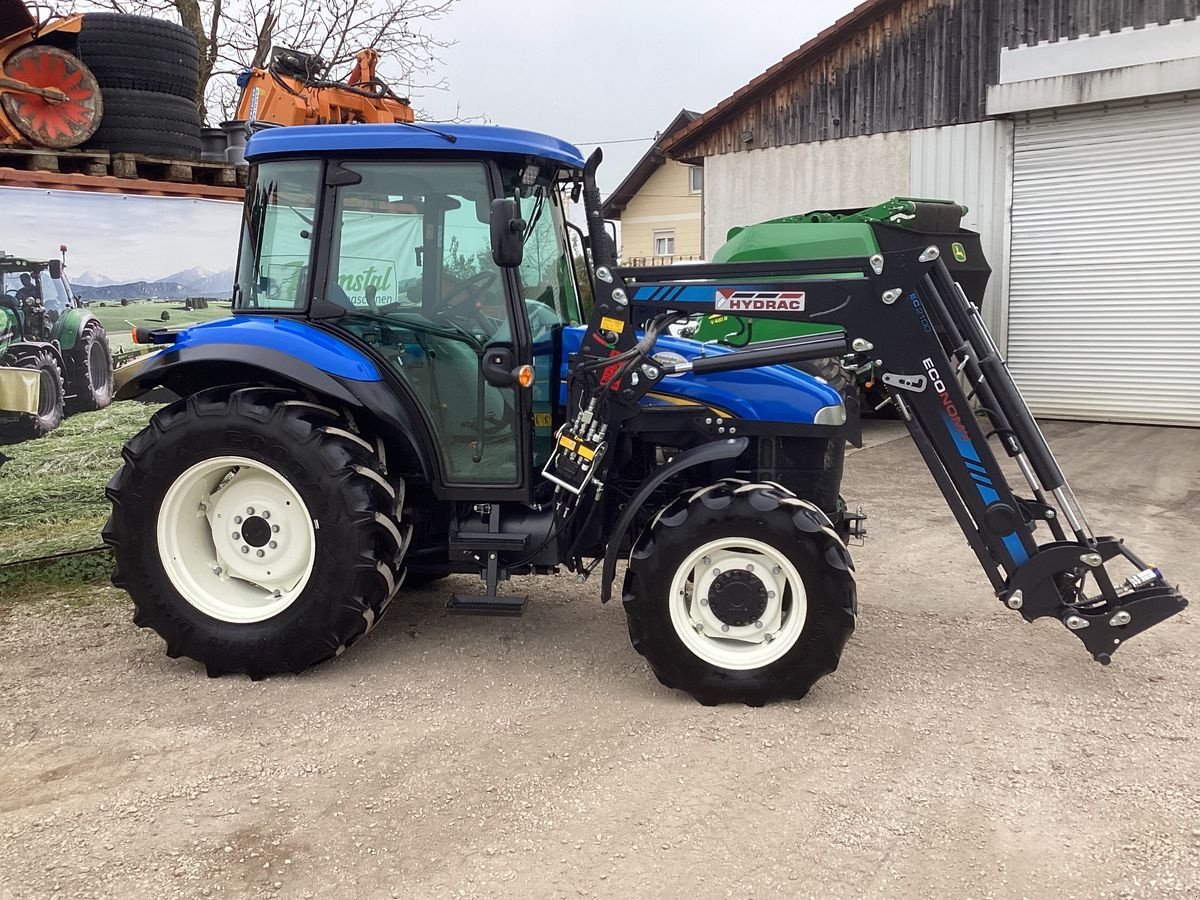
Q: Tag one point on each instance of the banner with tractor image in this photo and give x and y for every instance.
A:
(79, 270)
(130, 261)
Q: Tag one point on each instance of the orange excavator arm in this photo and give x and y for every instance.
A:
(289, 91)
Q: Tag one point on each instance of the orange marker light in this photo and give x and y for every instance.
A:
(525, 376)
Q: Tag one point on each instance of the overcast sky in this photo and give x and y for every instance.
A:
(611, 70)
(125, 237)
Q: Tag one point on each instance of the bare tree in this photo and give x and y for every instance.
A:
(236, 34)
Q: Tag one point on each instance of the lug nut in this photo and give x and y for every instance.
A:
(768, 637)
(776, 570)
(749, 567)
(706, 560)
(237, 520)
(266, 514)
(259, 554)
(249, 510)
(245, 549)
(275, 529)
(724, 627)
(704, 601)
(237, 536)
(272, 545)
(758, 624)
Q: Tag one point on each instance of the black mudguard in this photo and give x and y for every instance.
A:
(705, 453)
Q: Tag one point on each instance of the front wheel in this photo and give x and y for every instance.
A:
(740, 592)
(255, 531)
(50, 399)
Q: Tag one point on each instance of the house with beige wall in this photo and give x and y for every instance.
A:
(660, 206)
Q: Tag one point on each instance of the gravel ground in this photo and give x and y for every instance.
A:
(958, 752)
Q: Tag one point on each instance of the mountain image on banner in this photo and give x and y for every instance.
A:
(194, 282)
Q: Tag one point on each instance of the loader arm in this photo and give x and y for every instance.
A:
(903, 312)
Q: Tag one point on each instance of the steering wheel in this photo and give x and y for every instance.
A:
(456, 302)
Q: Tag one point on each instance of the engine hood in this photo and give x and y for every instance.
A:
(766, 394)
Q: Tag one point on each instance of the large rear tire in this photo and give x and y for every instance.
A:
(90, 370)
(740, 592)
(256, 532)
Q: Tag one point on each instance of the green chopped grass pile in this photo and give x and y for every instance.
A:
(52, 489)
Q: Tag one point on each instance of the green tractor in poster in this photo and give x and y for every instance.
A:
(54, 354)
(832, 234)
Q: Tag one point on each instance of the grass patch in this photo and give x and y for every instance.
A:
(119, 320)
(73, 581)
(52, 489)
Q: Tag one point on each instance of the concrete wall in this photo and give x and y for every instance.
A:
(743, 188)
(663, 203)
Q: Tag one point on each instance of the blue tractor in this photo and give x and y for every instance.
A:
(409, 387)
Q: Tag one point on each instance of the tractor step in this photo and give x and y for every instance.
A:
(483, 605)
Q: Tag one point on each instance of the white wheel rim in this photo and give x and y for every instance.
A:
(236, 539)
(738, 647)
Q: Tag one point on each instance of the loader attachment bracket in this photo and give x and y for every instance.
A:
(1042, 587)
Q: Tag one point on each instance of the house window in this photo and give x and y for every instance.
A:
(696, 179)
(664, 243)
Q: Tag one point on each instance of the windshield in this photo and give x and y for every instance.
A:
(274, 260)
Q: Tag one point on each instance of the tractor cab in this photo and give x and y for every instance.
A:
(446, 257)
(37, 295)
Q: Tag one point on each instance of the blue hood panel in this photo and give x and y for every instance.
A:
(286, 335)
(765, 394)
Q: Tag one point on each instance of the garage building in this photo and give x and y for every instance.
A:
(1071, 128)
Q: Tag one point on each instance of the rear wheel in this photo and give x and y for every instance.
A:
(740, 592)
(255, 532)
(90, 370)
(50, 398)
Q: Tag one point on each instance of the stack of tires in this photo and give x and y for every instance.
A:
(149, 74)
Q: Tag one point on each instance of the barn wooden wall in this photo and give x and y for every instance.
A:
(922, 64)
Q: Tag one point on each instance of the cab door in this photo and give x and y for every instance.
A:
(410, 264)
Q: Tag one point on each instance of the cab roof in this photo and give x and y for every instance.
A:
(296, 140)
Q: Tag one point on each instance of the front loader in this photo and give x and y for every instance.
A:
(408, 388)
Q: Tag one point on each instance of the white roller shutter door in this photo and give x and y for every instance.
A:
(1104, 302)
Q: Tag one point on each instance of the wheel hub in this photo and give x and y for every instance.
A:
(236, 539)
(256, 531)
(737, 598)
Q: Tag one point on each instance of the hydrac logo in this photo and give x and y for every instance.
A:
(759, 301)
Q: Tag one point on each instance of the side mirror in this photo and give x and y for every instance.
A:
(508, 233)
(55, 269)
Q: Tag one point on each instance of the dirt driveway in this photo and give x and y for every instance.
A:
(957, 753)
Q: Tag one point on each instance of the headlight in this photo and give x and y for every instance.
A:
(830, 415)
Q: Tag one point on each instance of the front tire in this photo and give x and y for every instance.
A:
(50, 399)
(255, 532)
(740, 592)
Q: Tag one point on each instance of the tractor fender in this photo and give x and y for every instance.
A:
(705, 453)
(71, 325)
(307, 359)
